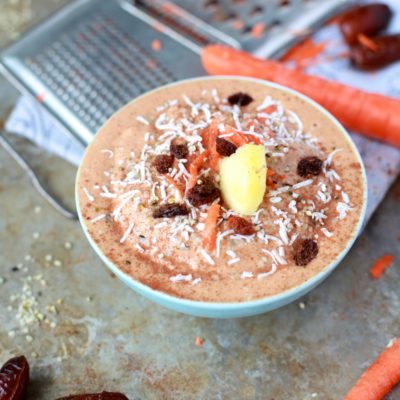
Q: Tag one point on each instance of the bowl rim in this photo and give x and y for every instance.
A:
(236, 306)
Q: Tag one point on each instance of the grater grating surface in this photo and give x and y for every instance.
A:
(93, 56)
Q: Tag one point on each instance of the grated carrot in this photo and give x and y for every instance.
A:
(381, 265)
(367, 42)
(210, 228)
(199, 341)
(195, 166)
(176, 184)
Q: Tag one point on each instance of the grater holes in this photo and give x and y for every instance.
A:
(256, 11)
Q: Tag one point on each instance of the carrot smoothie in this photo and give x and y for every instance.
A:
(221, 190)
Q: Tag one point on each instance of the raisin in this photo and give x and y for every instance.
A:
(163, 163)
(170, 210)
(305, 250)
(309, 166)
(225, 148)
(179, 148)
(14, 378)
(241, 99)
(203, 193)
(96, 396)
(240, 225)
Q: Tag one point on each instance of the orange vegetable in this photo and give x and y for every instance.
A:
(381, 265)
(382, 375)
(367, 42)
(176, 184)
(371, 114)
(209, 136)
(195, 166)
(210, 229)
(199, 341)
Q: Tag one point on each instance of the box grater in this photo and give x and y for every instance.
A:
(93, 56)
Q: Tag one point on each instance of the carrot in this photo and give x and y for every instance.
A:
(367, 42)
(209, 136)
(195, 166)
(381, 265)
(210, 229)
(382, 375)
(238, 138)
(176, 184)
(371, 114)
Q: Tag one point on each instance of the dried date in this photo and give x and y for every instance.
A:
(170, 210)
(385, 52)
(14, 378)
(240, 99)
(240, 225)
(368, 19)
(309, 166)
(179, 148)
(96, 396)
(204, 192)
(224, 147)
(163, 163)
(305, 250)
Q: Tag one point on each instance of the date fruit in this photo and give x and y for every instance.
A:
(368, 19)
(14, 378)
(96, 396)
(386, 51)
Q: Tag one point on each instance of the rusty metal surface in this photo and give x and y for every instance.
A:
(102, 336)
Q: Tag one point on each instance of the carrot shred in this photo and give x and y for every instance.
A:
(199, 341)
(176, 184)
(305, 51)
(156, 45)
(209, 136)
(381, 265)
(380, 377)
(258, 30)
(371, 114)
(210, 228)
(367, 42)
(195, 166)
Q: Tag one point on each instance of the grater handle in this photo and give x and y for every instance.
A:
(39, 186)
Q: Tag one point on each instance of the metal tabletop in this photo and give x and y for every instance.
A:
(102, 336)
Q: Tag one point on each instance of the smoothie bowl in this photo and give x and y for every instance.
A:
(221, 197)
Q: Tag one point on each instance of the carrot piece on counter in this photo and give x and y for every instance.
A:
(210, 228)
(195, 166)
(381, 265)
(380, 377)
(371, 114)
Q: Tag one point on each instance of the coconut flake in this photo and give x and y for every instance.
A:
(181, 278)
(88, 195)
(266, 274)
(127, 232)
(207, 257)
(142, 119)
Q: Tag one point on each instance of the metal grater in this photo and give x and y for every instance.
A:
(93, 56)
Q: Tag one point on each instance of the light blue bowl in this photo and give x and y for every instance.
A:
(246, 308)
